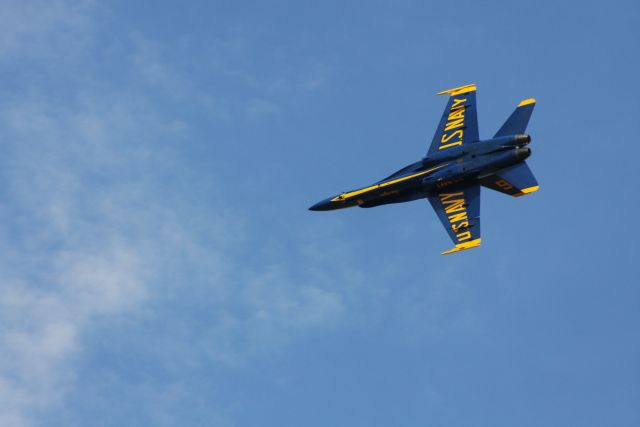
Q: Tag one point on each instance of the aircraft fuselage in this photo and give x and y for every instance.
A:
(421, 179)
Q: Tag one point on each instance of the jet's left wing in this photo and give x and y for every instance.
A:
(459, 212)
(459, 123)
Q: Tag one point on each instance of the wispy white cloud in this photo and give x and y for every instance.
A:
(258, 108)
(44, 28)
(68, 257)
(91, 231)
(153, 66)
(90, 237)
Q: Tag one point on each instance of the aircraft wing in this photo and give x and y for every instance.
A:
(459, 122)
(459, 212)
(516, 180)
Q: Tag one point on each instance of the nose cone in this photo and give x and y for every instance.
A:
(324, 205)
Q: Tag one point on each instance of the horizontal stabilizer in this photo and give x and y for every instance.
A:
(516, 180)
(519, 119)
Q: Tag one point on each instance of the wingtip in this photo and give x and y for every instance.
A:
(530, 189)
(526, 191)
(459, 90)
(527, 102)
(463, 246)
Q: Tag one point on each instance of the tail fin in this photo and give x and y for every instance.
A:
(519, 119)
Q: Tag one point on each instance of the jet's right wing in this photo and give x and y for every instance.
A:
(459, 212)
(459, 122)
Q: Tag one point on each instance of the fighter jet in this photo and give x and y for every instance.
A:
(457, 164)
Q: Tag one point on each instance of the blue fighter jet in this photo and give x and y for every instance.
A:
(457, 165)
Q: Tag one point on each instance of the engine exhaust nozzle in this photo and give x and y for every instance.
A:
(522, 153)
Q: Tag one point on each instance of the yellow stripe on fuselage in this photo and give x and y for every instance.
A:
(350, 194)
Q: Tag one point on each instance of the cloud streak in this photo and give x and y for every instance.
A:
(95, 228)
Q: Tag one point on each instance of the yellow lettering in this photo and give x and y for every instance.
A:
(456, 102)
(442, 147)
(455, 206)
(446, 138)
(457, 227)
(504, 184)
(454, 124)
(458, 113)
(457, 217)
(446, 196)
(464, 236)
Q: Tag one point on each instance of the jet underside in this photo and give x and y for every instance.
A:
(455, 167)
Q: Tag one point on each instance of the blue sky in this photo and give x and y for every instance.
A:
(160, 266)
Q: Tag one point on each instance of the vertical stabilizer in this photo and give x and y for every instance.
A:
(519, 119)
